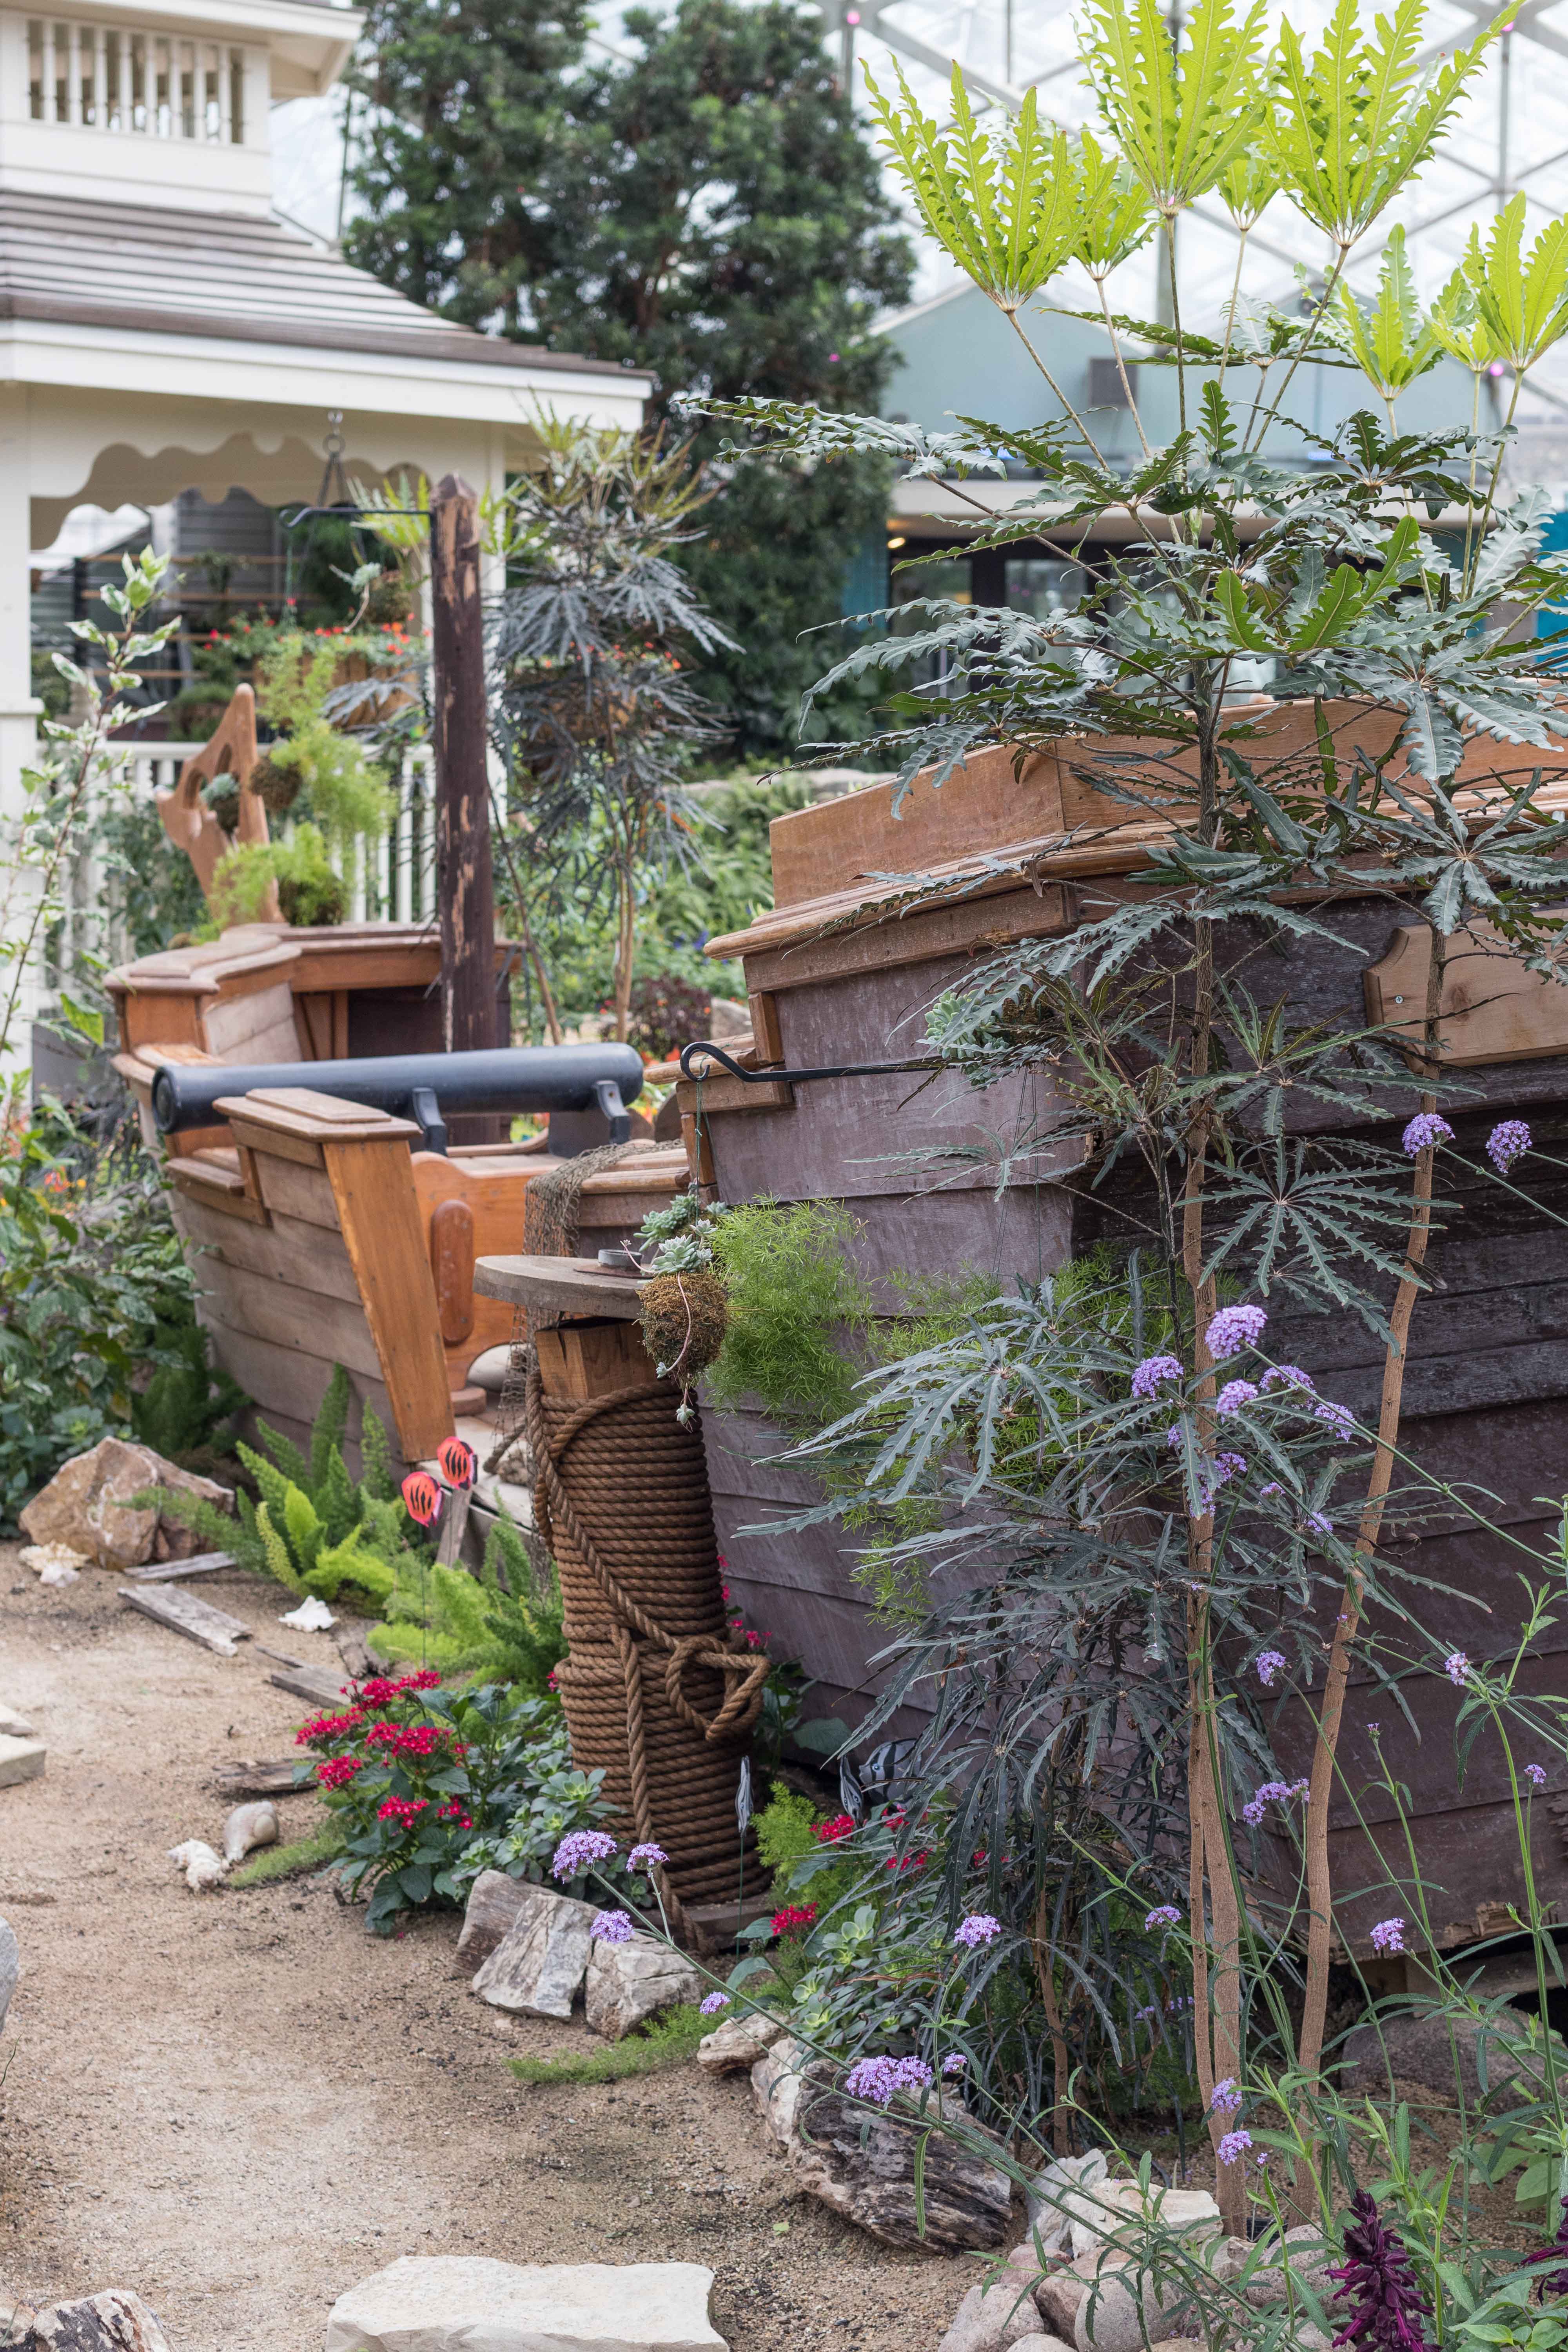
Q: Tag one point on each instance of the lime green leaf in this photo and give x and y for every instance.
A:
(1390, 341)
(1243, 627)
(1521, 304)
(1181, 117)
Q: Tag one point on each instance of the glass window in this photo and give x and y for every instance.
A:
(1044, 585)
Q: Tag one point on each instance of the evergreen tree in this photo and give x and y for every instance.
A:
(465, 98)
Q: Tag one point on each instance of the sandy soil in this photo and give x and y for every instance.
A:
(240, 2104)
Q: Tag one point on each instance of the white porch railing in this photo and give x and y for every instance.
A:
(152, 85)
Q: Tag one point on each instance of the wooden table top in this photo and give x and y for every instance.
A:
(567, 1286)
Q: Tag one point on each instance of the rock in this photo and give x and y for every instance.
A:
(1106, 2207)
(87, 1504)
(203, 1869)
(54, 1563)
(1048, 2218)
(1056, 2298)
(20, 1759)
(114, 2321)
(863, 2164)
(739, 2041)
(13, 1725)
(628, 1983)
(1419, 2051)
(1039, 2343)
(10, 1968)
(1120, 2311)
(1310, 2255)
(249, 1826)
(543, 1958)
(456, 2303)
(993, 2317)
(494, 1902)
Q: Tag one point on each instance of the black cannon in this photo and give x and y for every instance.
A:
(421, 1087)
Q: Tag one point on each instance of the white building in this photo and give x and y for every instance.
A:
(161, 331)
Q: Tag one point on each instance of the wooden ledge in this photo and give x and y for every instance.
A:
(561, 1285)
(301, 1112)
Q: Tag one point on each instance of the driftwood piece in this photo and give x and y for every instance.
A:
(171, 1571)
(115, 2321)
(313, 1683)
(273, 1777)
(183, 1612)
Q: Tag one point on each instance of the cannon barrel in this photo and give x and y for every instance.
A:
(421, 1087)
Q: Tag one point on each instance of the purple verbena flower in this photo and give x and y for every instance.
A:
(612, 1926)
(1271, 1792)
(577, 1849)
(912, 2074)
(1388, 1936)
(646, 1857)
(872, 2079)
(954, 2063)
(1387, 2310)
(1152, 1372)
(1269, 1662)
(1224, 2099)
(1340, 1418)
(715, 2000)
(1234, 1395)
(1234, 2145)
(1234, 1328)
(1318, 1525)
(1508, 1142)
(1456, 1667)
(979, 1927)
(1425, 1132)
(1536, 1775)
(1163, 1915)
(1228, 1466)
(1283, 1376)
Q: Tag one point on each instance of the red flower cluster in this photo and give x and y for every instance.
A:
(403, 1810)
(339, 1771)
(842, 1825)
(909, 1861)
(794, 1918)
(454, 1812)
(329, 1726)
(380, 1692)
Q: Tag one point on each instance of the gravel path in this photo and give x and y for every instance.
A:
(240, 2104)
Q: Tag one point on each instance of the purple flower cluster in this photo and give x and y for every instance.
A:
(954, 2063)
(1340, 1418)
(1387, 2312)
(1234, 2145)
(1150, 1375)
(1287, 1376)
(1232, 1328)
(1269, 1662)
(1388, 1936)
(578, 1849)
(1535, 1774)
(1163, 1915)
(1272, 1792)
(1234, 1395)
(1224, 2099)
(979, 1927)
(1508, 1142)
(1456, 1667)
(715, 2000)
(612, 1926)
(875, 2079)
(646, 1857)
(1425, 1132)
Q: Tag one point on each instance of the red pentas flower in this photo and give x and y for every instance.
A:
(908, 1862)
(403, 1810)
(339, 1771)
(794, 1918)
(842, 1825)
(454, 1812)
(329, 1726)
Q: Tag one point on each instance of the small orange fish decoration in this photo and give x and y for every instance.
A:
(460, 1462)
(422, 1498)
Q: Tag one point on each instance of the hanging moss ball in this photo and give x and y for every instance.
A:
(312, 900)
(279, 787)
(683, 1318)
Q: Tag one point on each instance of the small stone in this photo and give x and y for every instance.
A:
(540, 1963)
(739, 2043)
(248, 1827)
(993, 2318)
(1058, 2296)
(87, 1506)
(10, 1968)
(1310, 2255)
(1039, 2343)
(20, 1759)
(1050, 2218)
(456, 2303)
(628, 1983)
(114, 2321)
(494, 1901)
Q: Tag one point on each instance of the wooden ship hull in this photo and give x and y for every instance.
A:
(842, 972)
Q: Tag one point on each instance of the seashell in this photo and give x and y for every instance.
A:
(249, 1825)
(54, 1563)
(203, 1869)
(312, 1616)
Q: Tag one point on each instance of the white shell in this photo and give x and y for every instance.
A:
(203, 1869)
(249, 1825)
(312, 1616)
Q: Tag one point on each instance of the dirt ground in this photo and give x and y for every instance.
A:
(237, 2105)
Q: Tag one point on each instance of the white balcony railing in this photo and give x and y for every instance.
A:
(152, 85)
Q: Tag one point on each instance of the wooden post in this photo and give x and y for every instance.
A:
(465, 883)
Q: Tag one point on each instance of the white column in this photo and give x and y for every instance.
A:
(18, 706)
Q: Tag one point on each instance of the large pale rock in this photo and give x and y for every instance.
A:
(115, 2321)
(993, 2318)
(540, 1963)
(494, 1902)
(864, 2166)
(10, 1968)
(1106, 2208)
(1309, 2256)
(1048, 2343)
(628, 1983)
(87, 1504)
(453, 2303)
(20, 1759)
(1050, 2216)
(1123, 2308)
(739, 2043)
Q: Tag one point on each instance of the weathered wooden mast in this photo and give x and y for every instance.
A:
(465, 883)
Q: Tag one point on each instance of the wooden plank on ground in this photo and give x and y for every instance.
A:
(313, 1683)
(174, 1572)
(268, 1777)
(183, 1612)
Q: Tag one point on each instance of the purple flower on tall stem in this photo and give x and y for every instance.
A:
(1287, 1376)
(1388, 1936)
(577, 1849)
(612, 1926)
(1509, 1141)
(1340, 1418)
(1235, 1328)
(715, 2000)
(1426, 1131)
(1152, 1372)
(1224, 2099)
(1234, 1395)
(1269, 1662)
(1387, 2311)
(1536, 1775)
(979, 1927)
(1456, 1667)
(1163, 1915)
(1234, 2145)
(874, 2079)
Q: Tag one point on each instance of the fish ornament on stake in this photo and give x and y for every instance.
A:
(459, 1467)
(422, 1499)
